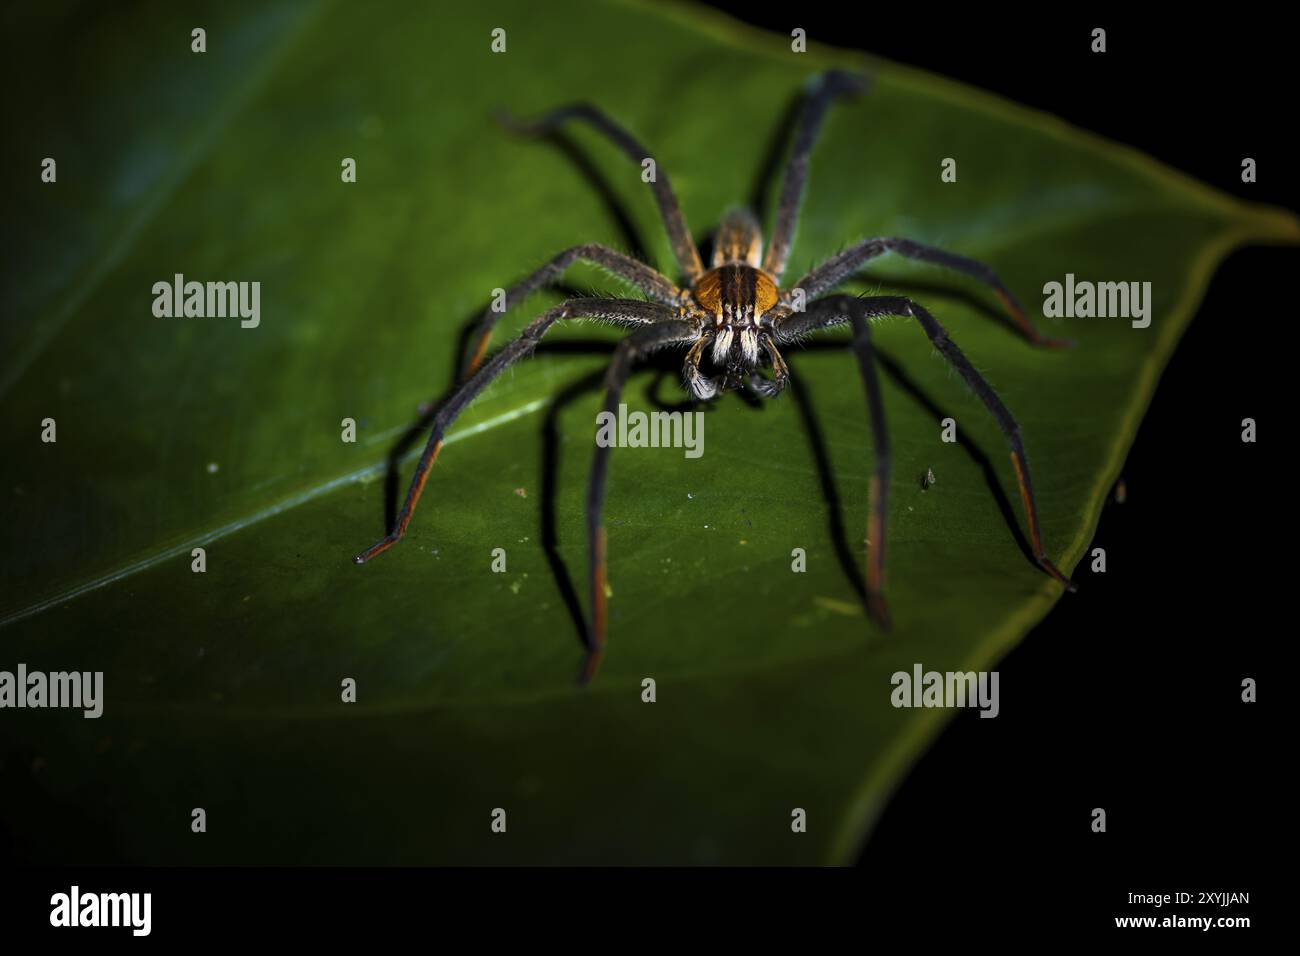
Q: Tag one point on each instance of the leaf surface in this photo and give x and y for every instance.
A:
(223, 688)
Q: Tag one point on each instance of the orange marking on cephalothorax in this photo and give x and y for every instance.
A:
(738, 286)
(765, 292)
(708, 291)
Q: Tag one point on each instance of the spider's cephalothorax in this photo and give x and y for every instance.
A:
(731, 318)
(736, 294)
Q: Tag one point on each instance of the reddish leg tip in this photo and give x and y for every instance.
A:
(378, 548)
(1057, 573)
(517, 125)
(878, 611)
(589, 668)
(1056, 343)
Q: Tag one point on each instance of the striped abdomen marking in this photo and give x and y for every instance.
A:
(739, 240)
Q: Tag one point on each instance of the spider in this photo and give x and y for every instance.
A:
(729, 317)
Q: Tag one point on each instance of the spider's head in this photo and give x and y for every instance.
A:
(737, 295)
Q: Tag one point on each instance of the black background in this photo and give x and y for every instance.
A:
(1128, 695)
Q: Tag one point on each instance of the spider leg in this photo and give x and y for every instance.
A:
(878, 493)
(688, 256)
(825, 314)
(628, 312)
(828, 86)
(839, 267)
(635, 273)
(837, 311)
(770, 388)
(636, 345)
(701, 386)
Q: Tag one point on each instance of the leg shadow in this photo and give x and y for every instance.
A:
(1008, 511)
(839, 540)
(663, 365)
(845, 554)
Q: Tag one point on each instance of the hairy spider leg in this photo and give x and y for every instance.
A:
(770, 388)
(655, 285)
(627, 312)
(702, 386)
(827, 88)
(639, 343)
(688, 256)
(839, 267)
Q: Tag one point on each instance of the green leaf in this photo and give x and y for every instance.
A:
(223, 688)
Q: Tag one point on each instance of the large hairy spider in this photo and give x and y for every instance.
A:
(731, 315)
